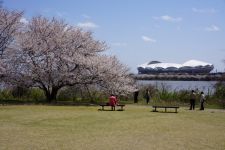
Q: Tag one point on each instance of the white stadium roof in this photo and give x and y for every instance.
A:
(190, 66)
(190, 63)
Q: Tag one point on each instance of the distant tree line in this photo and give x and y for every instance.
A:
(182, 77)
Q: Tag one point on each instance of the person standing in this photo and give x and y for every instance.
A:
(192, 100)
(136, 96)
(202, 100)
(147, 96)
(112, 101)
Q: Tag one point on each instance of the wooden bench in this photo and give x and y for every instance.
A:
(119, 105)
(175, 107)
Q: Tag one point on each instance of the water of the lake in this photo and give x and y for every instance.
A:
(205, 86)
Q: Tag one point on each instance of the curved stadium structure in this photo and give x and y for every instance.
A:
(191, 67)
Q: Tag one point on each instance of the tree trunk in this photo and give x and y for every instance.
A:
(51, 94)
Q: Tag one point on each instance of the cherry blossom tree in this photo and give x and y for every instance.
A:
(51, 54)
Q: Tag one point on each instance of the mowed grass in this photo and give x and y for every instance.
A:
(136, 128)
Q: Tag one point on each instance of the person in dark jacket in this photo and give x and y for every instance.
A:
(136, 96)
(192, 100)
(147, 96)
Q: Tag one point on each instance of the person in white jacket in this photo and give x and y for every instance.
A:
(202, 100)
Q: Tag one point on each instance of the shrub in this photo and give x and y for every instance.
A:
(6, 94)
(219, 93)
(36, 94)
(20, 91)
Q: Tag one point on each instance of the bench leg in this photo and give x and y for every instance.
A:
(102, 107)
(155, 109)
(165, 109)
(176, 110)
(121, 107)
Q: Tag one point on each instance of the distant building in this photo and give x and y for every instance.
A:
(191, 67)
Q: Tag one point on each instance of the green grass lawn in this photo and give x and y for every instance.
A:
(136, 128)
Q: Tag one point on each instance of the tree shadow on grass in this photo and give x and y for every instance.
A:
(164, 111)
(110, 110)
(55, 103)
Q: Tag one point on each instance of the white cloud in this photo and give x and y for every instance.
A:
(148, 39)
(212, 28)
(204, 11)
(87, 25)
(24, 20)
(119, 44)
(168, 18)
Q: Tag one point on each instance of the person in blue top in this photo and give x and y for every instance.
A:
(192, 100)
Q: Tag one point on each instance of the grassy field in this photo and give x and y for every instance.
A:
(136, 128)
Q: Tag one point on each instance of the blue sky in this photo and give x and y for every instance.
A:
(139, 31)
